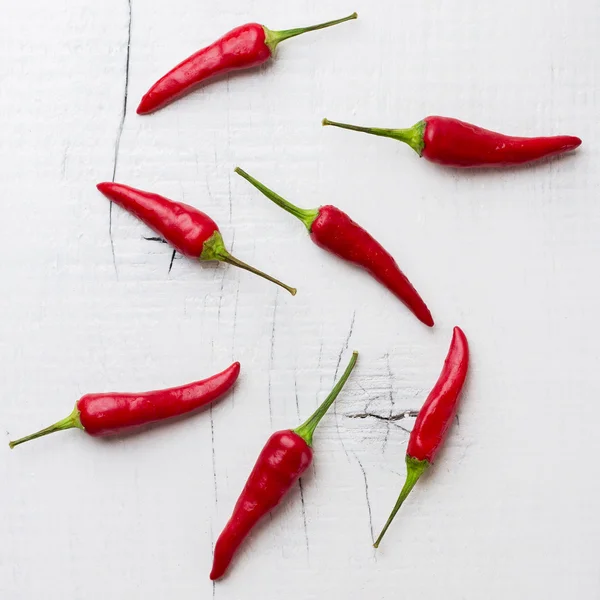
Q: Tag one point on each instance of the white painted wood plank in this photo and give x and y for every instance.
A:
(511, 256)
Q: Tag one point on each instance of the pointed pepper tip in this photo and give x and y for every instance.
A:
(145, 106)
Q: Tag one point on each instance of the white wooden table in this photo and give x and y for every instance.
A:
(510, 509)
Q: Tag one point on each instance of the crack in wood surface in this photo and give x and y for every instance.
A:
(346, 345)
(120, 134)
(407, 414)
(172, 260)
(389, 419)
(296, 395)
(304, 516)
(366, 483)
(337, 368)
(391, 397)
(63, 166)
(320, 360)
(271, 357)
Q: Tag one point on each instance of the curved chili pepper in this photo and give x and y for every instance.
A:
(455, 143)
(191, 232)
(109, 413)
(244, 47)
(334, 230)
(434, 420)
(286, 455)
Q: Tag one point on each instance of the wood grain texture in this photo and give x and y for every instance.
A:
(510, 509)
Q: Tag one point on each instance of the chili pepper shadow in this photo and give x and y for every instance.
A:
(217, 81)
(168, 423)
(455, 431)
(176, 256)
(369, 279)
(491, 172)
(245, 549)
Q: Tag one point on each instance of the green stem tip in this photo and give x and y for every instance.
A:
(413, 136)
(214, 249)
(414, 469)
(273, 38)
(306, 215)
(70, 422)
(306, 430)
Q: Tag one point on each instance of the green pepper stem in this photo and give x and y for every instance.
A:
(70, 422)
(306, 215)
(414, 469)
(273, 38)
(214, 249)
(231, 260)
(306, 430)
(413, 136)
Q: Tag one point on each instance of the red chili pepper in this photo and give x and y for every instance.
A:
(286, 455)
(109, 413)
(188, 230)
(434, 419)
(244, 47)
(455, 143)
(334, 230)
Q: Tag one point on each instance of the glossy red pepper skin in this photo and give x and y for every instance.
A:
(334, 231)
(112, 413)
(454, 143)
(434, 419)
(186, 228)
(439, 409)
(244, 47)
(190, 231)
(282, 461)
(103, 414)
(286, 455)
